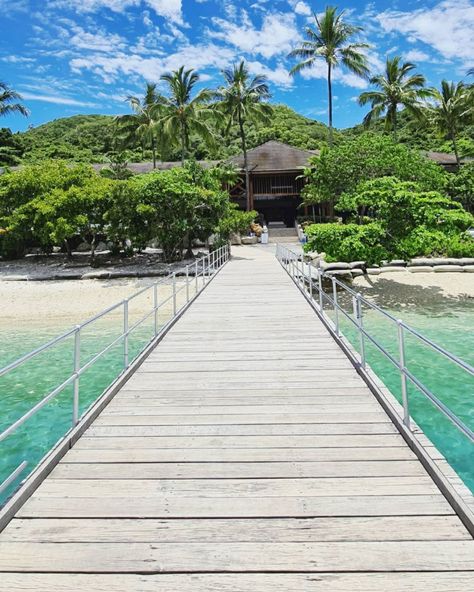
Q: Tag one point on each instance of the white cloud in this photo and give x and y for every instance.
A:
(279, 75)
(447, 27)
(276, 36)
(302, 8)
(58, 100)
(416, 55)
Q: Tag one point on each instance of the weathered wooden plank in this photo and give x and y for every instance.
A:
(239, 454)
(229, 470)
(380, 528)
(154, 365)
(333, 582)
(244, 488)
(306, 441)
(233, 507)
(253, 418)
(106, 431)
(119, 408)
(238, 557)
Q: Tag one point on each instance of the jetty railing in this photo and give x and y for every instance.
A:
(310, 280)
(196, 276)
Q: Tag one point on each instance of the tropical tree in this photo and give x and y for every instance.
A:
(242, 100)
(7, 104)
(182, 114)
(397, 87)
(452, 110)
(330, 40)
(143, 123)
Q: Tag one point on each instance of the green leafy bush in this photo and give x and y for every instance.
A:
(347, 242)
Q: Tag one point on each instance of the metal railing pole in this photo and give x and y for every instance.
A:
(336, 306)
(310, 276)
(196, 277)
(155, 307)
(320, 288)
(125, 333)
(174, 294)
(77, 367)
(360, 322)
(403, 378)
(187, 283)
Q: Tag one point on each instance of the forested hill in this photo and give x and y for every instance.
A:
(89, 138)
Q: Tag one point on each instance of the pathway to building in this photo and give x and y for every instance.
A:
(245, 455)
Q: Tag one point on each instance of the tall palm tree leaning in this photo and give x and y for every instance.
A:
(7, 106)
(183, 114)
(397, 87)
(143, 123)
(242, 100)
(453, 108)
(330, 40)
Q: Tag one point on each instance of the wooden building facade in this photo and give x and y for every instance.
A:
(275, 181)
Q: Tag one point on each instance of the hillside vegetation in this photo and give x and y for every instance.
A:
(90, 138)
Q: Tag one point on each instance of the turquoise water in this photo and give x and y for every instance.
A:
(24, 387)
(449, 323)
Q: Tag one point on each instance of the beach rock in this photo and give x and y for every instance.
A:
(249, 240)
(373, 271)
(395, 263)
(467, 261)
(335, 266)
(115, 275)
(341, 274)
(101, 247)
(83, 248)
(448, 268)
(421, 269)
(391, 269)
(469, 269)
(96, 275)
(235, 238)
(15, 278)
(357, 264)
(357, 272)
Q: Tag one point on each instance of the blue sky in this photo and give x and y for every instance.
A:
(85, 56)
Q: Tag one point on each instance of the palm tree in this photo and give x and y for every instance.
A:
(182, 114)
(242, 100)
(452, 110)
(143, 123)
(330, 40)
(470, 72)
(397, 88)
(7, 96)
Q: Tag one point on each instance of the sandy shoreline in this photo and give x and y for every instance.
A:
(69, 302)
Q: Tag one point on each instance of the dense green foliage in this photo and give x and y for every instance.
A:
(342, 168)
(55, 204)
(397, 219)
(461, 186)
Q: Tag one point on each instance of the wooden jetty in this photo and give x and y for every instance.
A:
(246, 454)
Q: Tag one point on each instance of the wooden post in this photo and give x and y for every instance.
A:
(250, 192)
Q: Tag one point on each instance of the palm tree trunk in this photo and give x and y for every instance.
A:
(246, 164)
(183, 144)
(331, 138)
(395, 124)
(153, 149)
(456, 151)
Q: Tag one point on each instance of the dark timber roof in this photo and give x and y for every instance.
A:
(274, 157)
(445, 159)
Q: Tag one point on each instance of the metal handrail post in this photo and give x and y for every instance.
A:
(310, 276)
(187, 283)
(336, 306)
(155, 307)
(320, 288)
(174, 294)
(77, 367)
(125, 333)
(360, 322)
(196, 277)
(403, 377)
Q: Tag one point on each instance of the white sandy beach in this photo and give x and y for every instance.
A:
(69, 302)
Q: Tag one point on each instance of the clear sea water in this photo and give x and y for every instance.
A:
(449, 322)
